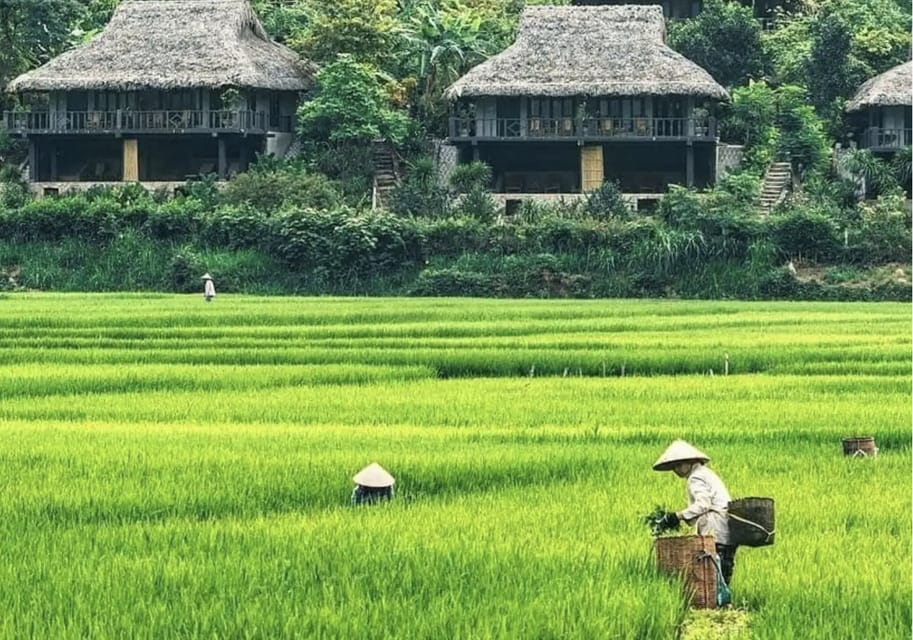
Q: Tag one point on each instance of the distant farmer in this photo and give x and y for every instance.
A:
(708, 499)
(209, 289)
(372, 484)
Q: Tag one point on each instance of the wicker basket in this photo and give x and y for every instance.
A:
(692, 558)
(751, 522)
(862, 446)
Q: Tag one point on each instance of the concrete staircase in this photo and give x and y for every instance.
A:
(777, 182)
(386, 173)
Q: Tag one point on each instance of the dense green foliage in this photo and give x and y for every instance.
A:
(185, 467)
(306, 240)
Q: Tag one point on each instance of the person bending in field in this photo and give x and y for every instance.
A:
(708, 500)
(372, 484)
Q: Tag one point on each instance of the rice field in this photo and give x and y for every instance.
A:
(177, 469)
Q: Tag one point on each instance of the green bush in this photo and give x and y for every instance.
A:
(420, 194)
(454, 235)
(342, 243)
(235, 227)
(607, 202)
(268, 190)
(451, 282)
(180, 219)
(883, 233)
(805, 232)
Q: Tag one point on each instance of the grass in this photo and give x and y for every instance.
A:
(173, 469)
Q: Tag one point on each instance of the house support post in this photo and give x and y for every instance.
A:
(475, 153)
(53, 153)
(131, 160)
(242, 155)
(33, 161)
(689, 164)
(222, 159)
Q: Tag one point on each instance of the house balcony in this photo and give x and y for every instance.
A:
(141, 122)
(601, 129)
(879, 139)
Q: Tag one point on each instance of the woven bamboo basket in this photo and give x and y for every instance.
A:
(692, 558)
(752, 522)
(861, 446)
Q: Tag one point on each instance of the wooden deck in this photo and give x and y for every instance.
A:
(602, 129)
(140, 122)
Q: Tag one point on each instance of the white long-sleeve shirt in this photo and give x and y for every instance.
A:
(209, 289)
(708, 500)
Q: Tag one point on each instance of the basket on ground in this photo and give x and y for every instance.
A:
(860, 446)
(751, 522)
(692, 557)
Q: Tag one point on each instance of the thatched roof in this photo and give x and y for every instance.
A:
(589, 50)
(171, 44)
(894, 87)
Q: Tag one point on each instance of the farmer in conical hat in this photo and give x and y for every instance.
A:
(209, 289)
(372, 484)
(708, 499)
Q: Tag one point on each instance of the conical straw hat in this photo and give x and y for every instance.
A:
(374, 475)
(678, 451)
(206, 276)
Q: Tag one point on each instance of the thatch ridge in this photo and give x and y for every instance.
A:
(894, 87)
(589, 50)
(174, 44)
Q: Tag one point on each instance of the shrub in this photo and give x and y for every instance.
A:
(454, 235)
(805, 232)
(883, 234)
(178, 219)
(235, 227)
(268, 190)
(341, 243)
(420, 193)
(607, 202)
(466, 177)
(452, 282)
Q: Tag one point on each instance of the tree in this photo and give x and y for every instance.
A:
(351, 106)
(366, 30)
(443, 41)
(725, 39)
(828, 65)
(802, 135)
(750, 120)
(32, 33)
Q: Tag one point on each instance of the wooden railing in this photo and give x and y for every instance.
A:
(878, 138)
(533, 128)
(125, 121)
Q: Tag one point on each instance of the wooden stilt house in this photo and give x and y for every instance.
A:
(588, 94)
(880, 111)
(169, 90)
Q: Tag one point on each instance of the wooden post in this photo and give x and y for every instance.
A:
(222, 160)
(131, 160)
(242, 156)
(53, 162)
(33, 161)
(689, 164)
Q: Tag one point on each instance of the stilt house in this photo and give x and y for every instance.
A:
(588, 94)
(169, 90)
(880, 110)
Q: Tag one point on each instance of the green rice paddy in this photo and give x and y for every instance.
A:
(177, 469)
